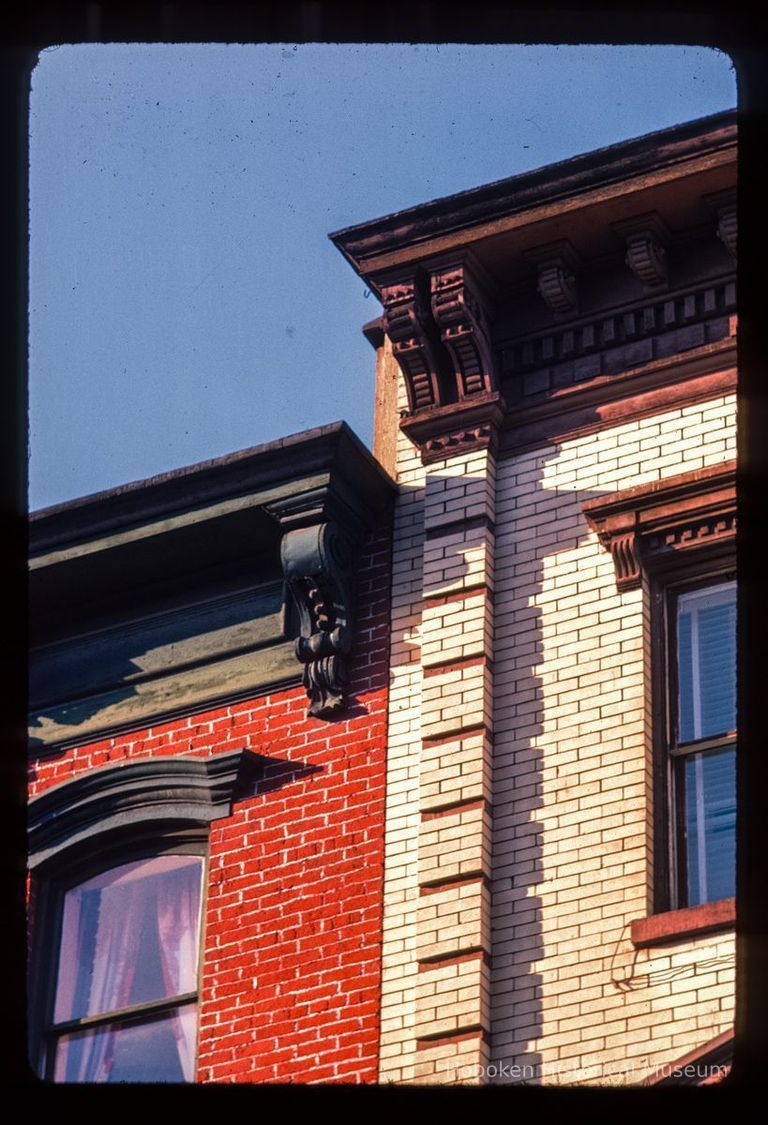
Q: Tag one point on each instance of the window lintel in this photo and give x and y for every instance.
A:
(646, 525)
(179, 789)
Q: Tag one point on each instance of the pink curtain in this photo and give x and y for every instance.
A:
(145, 911)
(114, 964)
(178, 920)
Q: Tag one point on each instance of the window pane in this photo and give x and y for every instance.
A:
(710, 815)
(706, 641)
(130, 935)
(161, 1049)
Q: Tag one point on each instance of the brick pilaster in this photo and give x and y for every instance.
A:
(452, 950)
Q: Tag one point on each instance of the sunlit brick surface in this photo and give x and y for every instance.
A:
(572, 774)
(292, 940)
(515, 629)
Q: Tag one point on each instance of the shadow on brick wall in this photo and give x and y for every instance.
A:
(534, 525)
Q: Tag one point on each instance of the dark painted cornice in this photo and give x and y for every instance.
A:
(553, 183)
(166, 595)
(195, 523)
(333, 452)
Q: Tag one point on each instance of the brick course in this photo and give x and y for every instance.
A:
(571, 999)
(292, 937)
(572, 782)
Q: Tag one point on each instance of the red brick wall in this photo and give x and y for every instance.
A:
(292, 945)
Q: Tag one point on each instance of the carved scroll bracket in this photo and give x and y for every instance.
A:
(436, 320)
(458, 311)
(556, 264)
(406, 321)
(626, 561)
(644, 526)
(324, 519)
(318, 567)
(646, 238)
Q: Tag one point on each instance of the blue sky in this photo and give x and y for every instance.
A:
(184, 298)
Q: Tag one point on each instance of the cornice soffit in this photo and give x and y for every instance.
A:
(669, 154)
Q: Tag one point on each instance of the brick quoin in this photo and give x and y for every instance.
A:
(293, 920)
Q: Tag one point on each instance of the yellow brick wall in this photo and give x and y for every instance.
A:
(400, 977)
(571, 1000)
(571, 997)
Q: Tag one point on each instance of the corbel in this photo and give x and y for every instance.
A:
(318, 567)
(406, 320)
(317, 552)
(457, 301)
(724, 204)
(556, 265)
(646, 238)
(618, 534)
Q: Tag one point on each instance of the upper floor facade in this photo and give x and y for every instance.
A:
(556, 376)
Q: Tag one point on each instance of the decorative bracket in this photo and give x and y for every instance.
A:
(323, 524)
(556, 265)
(318, 566)
(458, 313)
(727, 229)
(406, 322)
(644, 526)
(626, 561)
(724, 203)
(645, 239)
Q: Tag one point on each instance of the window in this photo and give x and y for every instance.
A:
(702, 751)
(129, 945)
(116, 940)
(675, 539)
(122, 1002)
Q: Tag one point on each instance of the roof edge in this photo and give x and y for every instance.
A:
(333, 448)
(570, 177)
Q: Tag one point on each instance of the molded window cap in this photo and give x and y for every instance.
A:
(645, 525)
(170, 789)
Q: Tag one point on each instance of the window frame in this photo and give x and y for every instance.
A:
(661, 533)
(666, 584)
(49, 885)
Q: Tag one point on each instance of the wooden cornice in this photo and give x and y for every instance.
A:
(443, 225)
(456, 276)
(166, 595)
(642, 525)
(248, 478)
